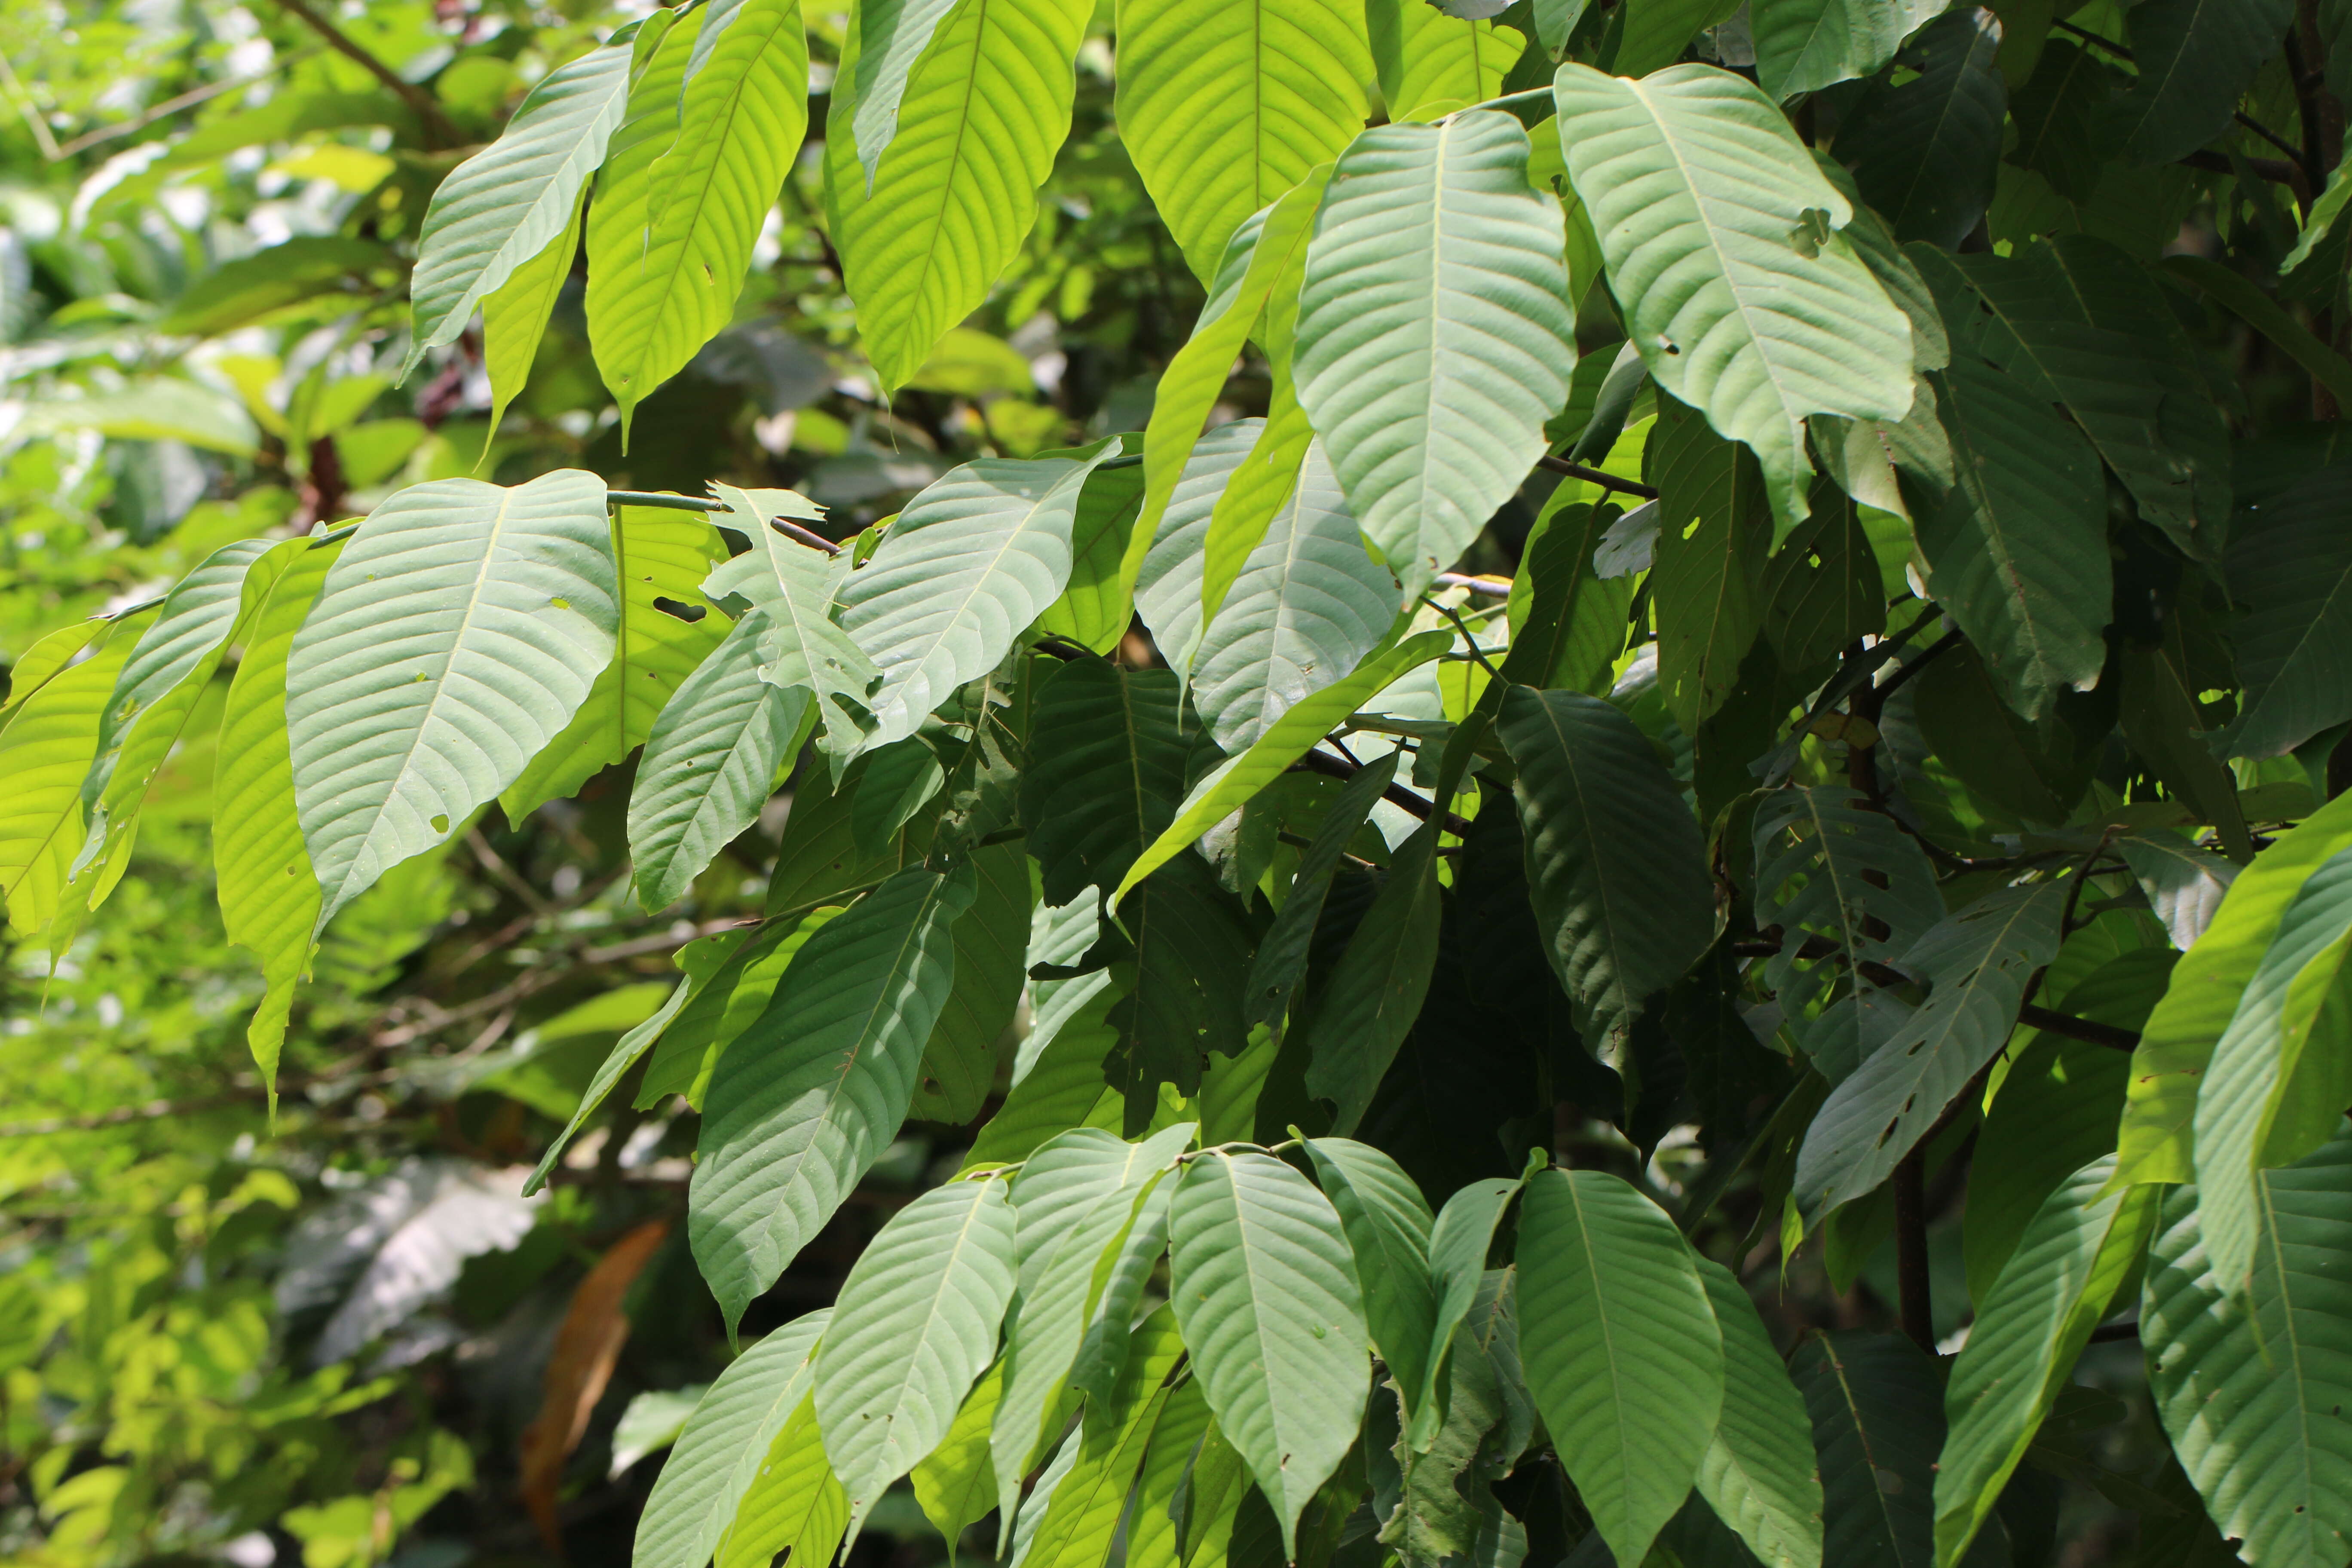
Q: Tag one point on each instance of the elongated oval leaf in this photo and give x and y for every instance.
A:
(1224, 108)
(1621, 1349)
(1269, 1306)
(1433, 332)
(1760, 1473)
(47, 748)
(718, 1453)
(455, 636)
(1878, 1420)
(1106, 771)
(808, 1096)
(921, 1305)
(1719, 236)
(1387, 1223)
(508, 202)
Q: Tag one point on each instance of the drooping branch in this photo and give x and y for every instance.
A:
(437, 126)
(1593, 476)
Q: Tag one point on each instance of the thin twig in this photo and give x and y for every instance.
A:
(437, 126)
(1590, 476)
(1454, 615)
(171, 106)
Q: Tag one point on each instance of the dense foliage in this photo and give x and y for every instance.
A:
(1187, 784)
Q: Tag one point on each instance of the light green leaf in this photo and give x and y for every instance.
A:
(1719, 233)
(2252, 1387)
(1107, 755)
(805, 1100)
(893, 35)
(956, 1485)
(1760, 1473)
(156, 408)
(1655, 35)
(736, 981)
(1878, 1420)
(1387, 1223)
(621, 216)
(1225, 788)
(1458, 1244)
(2322, 219)
(508, 202)
(1171, 565)
(1063, 1088)
(1110, 1325)
(1097, 608)
(2055, 1112)
(717, 1456)
(804, 646)
(715, 753)
(1622, 1348)
(924, 233)
(661, 557)
(1366, 1008)
(1268, 1304)
(1615, 865)
(249, 287)
(2194, 59)
(794, 1503)
(1280, 961)
(457, 635)
(268, 896)
(1433, 332)
(1075, 1528)
(1264, 483)
(2281, 1071)
(2017, 554)
(1430, 63)
(661, 289)
(515, 316)
(1978, 962)
(1226, 108)
(47, 748)
(970, 563)
(1308, 605)
(990, 940)
(1180, 1435)
(1803, 45)
(2154, 1141)
(2052, 1291)
(926, 1297)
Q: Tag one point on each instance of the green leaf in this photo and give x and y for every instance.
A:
(926, 1297)
(1433, 332)
(1110, 1323)
(2322, 218)
(1268, 1304)
(2160, 720)
(2195, 59)
(1868, 886)
(1458, 1243)
(804, 646)
(1926, 152)
(728, 986)
(48, 745)
(955, 1485)
(1075, 1198)
(2246, 300)
(2280, 1071)
(794, 1503)
(804, 1100)
(1172, 566)
(156, 408)
(2083, 325)
(516, 313)
(1185, 1430)
(661, 288)
(621, 215)
(925, 224)
(1622, 1352)
(1978, 962)
(251, 286)
(1366, 1008)
(1190, 943)
(1265, 482)
(1568, 623)
(2252, 1387)
(1075, 1526)
(1387, 1223)
(2055, 1112)
(1223, 109)
(1264, 259)
(970, 563)
(1107, 769)
(1760, 1473)
(717, 1456)
(2154, 1141)
(1718, 232)
(2017, 554)
(660, 556)
(1430, 63)
(1803, 45)
(991, 939)
(508, 202)
(1615, 865)
(2290, 566)
(269, 897)
(899, 31)
(455, 636)
(1063, 1088)
(2054, 1289)
(1233, 781)
(1878, 1421)
(1706, 576)
(1280, 963)
(1097, 608)
(715, 753)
